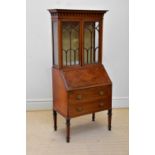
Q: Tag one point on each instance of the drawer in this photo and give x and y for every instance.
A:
(86, 95)
(86, 108)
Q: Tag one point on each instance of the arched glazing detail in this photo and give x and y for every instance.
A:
(91, 42)
(70, 43)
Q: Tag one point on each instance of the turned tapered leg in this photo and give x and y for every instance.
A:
(109, 118)
(67, 130)
(93, 116)
(55, 119)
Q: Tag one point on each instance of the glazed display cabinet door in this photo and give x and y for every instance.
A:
(70, 43)
(91, 42)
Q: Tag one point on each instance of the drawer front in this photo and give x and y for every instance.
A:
(90, 94)
(86, 108)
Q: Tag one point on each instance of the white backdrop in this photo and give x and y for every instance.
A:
(39, 48)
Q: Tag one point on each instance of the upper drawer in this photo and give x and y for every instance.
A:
(90, 94)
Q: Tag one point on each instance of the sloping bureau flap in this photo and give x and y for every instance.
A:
(85, 77)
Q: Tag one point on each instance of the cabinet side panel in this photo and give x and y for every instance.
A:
(110, 92)
(59, 93)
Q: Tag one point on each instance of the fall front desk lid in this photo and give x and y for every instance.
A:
(85, 77)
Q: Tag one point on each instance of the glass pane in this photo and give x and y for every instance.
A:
(55, 42)
(70, 43)
(91, 42)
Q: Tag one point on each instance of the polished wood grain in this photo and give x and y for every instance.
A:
(79, 109)
(84, 88)
(85, 77)
(71, 14)
(60, 96)
(89, 94)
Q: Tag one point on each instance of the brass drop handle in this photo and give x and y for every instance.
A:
(101, 104)
(101, 92)
(79, 97)
(79, 109)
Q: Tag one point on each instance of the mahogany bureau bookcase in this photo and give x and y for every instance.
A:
(81, 84)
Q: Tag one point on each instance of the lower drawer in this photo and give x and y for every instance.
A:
(86, 108)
